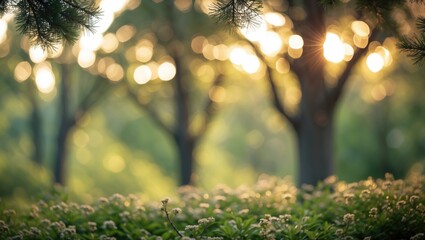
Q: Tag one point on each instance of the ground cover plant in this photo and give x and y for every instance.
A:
(271, 209)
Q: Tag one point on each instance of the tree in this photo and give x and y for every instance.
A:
(73, 104)
(57, 85)
(163, 67)
(29, 92)
(313, 122)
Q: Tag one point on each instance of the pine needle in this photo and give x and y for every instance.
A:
(235, 14)
(47, 23)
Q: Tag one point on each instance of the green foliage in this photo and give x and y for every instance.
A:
(271, 209)
(21, 179)
(415, 46)
(49, 22)
(236, 13)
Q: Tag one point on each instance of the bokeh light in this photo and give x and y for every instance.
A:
(221, 52)
(125, 33)
(144, 53)
(113, 6)
(217, 94)
(198, 43)
(37, 54)
(44, 78)
(385, 54)
(348, 51)
(86, 58)
(22, 71)
(360, 42)
(375, 62)
(114, 72)
(237, 54)
(251, 64)
(3, 30)
(360, 28)
(248, 62)
(142, 74)
(282, 65)
(91, 42)
(166, 71)
(114, 163)
(275, 19)
(109, 8)
(270, 43)
(378, 92)
(333, 48)
(254, 33)
(208, 51)
(81, 138)
(295, 42)
(183, 5)
(110, 43)
(103, 64)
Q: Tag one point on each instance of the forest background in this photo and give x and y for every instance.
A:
(114, 121)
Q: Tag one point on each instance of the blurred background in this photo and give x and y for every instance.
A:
(116, 112)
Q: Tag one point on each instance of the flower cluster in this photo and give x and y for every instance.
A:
(271, 209)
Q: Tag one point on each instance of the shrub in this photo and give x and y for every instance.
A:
(271, 209)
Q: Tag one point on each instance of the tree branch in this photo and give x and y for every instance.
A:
(152, 113)
(334, 94)
(209, 109)
(276, 100)
(91, 98)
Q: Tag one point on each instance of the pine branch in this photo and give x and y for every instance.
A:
(420, 24)
(4, 7)
(236, 13)
(50, 22)
(415, 46)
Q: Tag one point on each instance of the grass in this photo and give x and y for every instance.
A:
(271, 209)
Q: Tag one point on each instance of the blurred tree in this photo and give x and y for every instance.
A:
(35, 125)
(51, 81)
(317, 34)
(189, 104)
(75, 101)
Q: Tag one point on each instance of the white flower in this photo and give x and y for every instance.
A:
(109, 225)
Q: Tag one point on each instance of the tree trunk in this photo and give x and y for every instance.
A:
(315, 120)
(61, 154)
(382, 127)
(186, 159)
(315, 149)
(64, 128)
(37, 132)
(183, 138)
